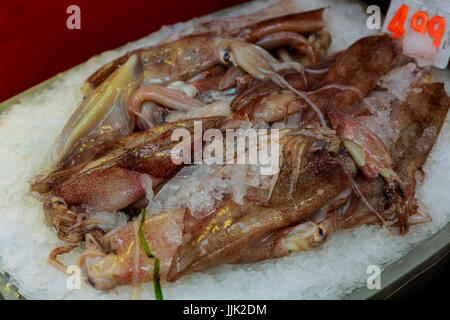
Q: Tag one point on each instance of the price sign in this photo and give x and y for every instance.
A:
(430, 18)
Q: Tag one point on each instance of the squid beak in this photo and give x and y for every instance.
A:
(92, 111)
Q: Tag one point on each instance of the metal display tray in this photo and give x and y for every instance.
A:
(421, 259)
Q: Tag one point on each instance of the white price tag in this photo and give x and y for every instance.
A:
(412, 19)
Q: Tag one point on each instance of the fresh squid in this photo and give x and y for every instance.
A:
(350, 76)
(164, 63)
(123, 174)
(224, 235)
(258, 230)
(417, 122)
(336, 170)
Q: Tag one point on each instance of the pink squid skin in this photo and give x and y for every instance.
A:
(245, 99)
(192, 52)
(209, 79)
(292, 39)
(197, 55)
(174, 236)
(303, 22)
(121, 177)
(169, 234)
(119, 181)
(165, 239)
(163, 233)
(108, 189)
(172, 99)
(244, 25)
(270, 108)
(359, 67)
(376, 154)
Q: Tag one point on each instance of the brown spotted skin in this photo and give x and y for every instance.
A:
(363, 63)
(162, 64)
(303, 22)
(195, 244)
(360, 66)
(234, 232)
(419, 120)
(376, 153)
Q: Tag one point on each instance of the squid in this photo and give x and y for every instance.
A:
(186, 244)
(349, 76)
(113, 158)
(177, 237)
(123, 174)
(151, 69)
(418, 121)
(96, 148)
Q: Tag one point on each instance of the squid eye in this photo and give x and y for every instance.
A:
(226, 56)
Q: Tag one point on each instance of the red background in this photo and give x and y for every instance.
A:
(35, 43)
